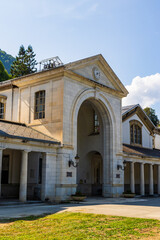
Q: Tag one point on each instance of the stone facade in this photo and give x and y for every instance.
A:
(142, 171)
(73, 95)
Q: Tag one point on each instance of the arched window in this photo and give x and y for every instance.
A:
(39, 105)
(135, 132)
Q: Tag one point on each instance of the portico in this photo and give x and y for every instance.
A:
(142, 175)
(27, 165)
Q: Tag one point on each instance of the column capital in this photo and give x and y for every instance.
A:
(26, 150)
(51, 153)
(142, 163)
(1, 148)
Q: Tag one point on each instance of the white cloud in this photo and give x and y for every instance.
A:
(145, 91)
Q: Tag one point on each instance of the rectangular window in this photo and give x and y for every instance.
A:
(96, 123)
(131, 133)
(39, 105)
(1, 110)
(139, 135)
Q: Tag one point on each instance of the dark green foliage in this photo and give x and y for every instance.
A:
(3, 73)
(6, 59)
(25, 62)
(30, 60)
(152, 115)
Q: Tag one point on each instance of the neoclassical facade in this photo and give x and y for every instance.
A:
(141, 152)
(51, 116)
(61, 131)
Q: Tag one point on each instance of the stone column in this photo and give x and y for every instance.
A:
(48, 177)
(132, 182)
(158, 179)
(151, 191)
(142, 186)
(1, 154)
(23, 177)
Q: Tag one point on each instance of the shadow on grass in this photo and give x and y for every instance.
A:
(33, 216)
(29, 218)
(41, 211)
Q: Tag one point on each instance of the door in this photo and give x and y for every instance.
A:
(97, 175)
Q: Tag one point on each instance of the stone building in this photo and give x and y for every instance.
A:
(51, 119)
(141, 152)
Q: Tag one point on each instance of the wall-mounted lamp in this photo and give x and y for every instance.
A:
(122, 167)
(72, 163)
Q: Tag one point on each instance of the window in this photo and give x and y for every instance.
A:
(3, 100)
(1, 110)
(96, 123)
(39, 105)
(135, 132)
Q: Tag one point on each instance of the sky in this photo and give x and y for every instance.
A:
(125, 32)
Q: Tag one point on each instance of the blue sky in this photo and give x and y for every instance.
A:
(125, 32)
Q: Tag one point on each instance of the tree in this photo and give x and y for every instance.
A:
(7, 60)
(30, 60)
(25, 62)
(151, 114)
(3, 73)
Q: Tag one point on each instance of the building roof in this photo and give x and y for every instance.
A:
(140, 151)
(67, 70)
(128, 108)
(128, 111)
(17, 130)
(157, 130)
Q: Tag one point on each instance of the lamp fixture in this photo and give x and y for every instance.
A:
(122, 167)
(72, 163)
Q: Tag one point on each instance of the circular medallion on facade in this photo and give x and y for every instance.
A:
(96, 73)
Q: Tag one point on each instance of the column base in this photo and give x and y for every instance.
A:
(113, 190)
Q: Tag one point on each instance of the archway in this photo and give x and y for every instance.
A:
(94, 141)
(90, 178)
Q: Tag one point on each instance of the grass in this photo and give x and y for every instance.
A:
(68, 226)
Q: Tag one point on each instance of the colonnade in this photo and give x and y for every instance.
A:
(48, 175)
(142, 178)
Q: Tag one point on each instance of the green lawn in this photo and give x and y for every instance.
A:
(79, 226)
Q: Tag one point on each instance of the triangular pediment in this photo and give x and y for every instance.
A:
(97, 69)
(136, 110)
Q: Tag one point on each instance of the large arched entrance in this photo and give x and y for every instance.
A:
(93, 147)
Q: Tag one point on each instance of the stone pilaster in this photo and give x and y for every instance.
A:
(48, 177)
